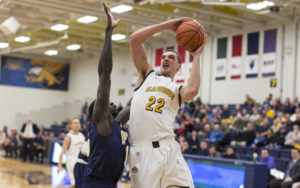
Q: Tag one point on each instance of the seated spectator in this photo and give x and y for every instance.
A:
(206, 132)
(203, 149)
(2, 139)
(269, 138)
(213, 151)
(263, 127)
(39, 147)
(280, 137)
(249, 134)
(249, 101)
(193, 142)
(258, 141)
(267, 159)
(292, 174)
(13, 144)
(176, 126)
(185, 149)
(237, 110)
(230, 153)
(293, 137)
(278, 122)
(225, 113)
(239, 123)
(216, 135)
(197, 125)
(188, 123)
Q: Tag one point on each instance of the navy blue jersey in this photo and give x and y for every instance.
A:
(107, 153)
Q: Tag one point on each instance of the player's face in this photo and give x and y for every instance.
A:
(113, 109)
(75, 125)
(169, 64)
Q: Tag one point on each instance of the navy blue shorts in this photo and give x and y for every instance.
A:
(78, 174)
(93, 182)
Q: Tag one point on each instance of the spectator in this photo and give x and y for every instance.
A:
(13, 144)
(293, 137)
(295, 115)
(230, 153)
(29, 131)
(249, 134)
(120, 107)
(280, 137)
(2, 139)
(39, 147)
(269, 138)
(225, 113)
(203, 149)
(267, 159)
(197, 125)
(84, 112)
(249, 101)
(213, 151)
(188, 123)
(185, 149)
(292, 174)
(216, 135)
(237, 110)
(193, 142)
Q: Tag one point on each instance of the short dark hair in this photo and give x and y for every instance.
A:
(91, 108)
(178, 56)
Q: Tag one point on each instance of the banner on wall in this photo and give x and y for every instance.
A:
(236, 59)
(221, 61)
(220, 69)
(34, 73)
(251, 65)
(269, 56)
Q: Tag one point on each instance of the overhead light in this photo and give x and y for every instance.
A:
(87, 19)
(73, 47)
(260, 5)
(59, 27)
(121, 9)
(51, 52)
(118, 37)
(22, 39)
(4, 45)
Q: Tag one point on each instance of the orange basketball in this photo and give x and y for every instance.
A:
(189, 35)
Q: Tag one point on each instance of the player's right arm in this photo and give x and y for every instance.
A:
(102, 117)
(65, 147)
(137, 48)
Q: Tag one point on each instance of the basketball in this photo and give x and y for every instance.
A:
(189, 35)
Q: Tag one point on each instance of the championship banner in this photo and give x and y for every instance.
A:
(251, 64)
(220, 69)
(269, 61)
(221, 62)
(34, 73)
(268, 66)
(236, 59)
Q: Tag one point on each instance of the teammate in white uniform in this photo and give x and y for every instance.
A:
(156, 160)
(72, 144)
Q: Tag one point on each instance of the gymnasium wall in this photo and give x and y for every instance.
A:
(19, 102)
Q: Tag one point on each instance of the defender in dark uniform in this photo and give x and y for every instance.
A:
(101, 165)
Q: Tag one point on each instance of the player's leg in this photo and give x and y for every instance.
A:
(70, 167)
(177, 173)
(146, 167)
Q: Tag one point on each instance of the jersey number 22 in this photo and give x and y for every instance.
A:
(159, 104)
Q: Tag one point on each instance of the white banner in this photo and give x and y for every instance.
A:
(251, 66)
(235, 67)
(268, 65)
(220, 69)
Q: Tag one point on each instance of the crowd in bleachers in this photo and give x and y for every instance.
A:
(246, 128)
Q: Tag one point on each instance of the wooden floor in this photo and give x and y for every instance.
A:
(17, 174)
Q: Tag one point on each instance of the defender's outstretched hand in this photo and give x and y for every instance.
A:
(111, 21)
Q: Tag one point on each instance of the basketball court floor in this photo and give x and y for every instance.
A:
(17, 174)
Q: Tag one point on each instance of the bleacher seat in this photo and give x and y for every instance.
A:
(246, 157)
(281, 163)
(285, 153)
(274, 152)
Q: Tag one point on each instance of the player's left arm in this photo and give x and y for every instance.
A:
(102, 117)
(123, 116)
(191, 90)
